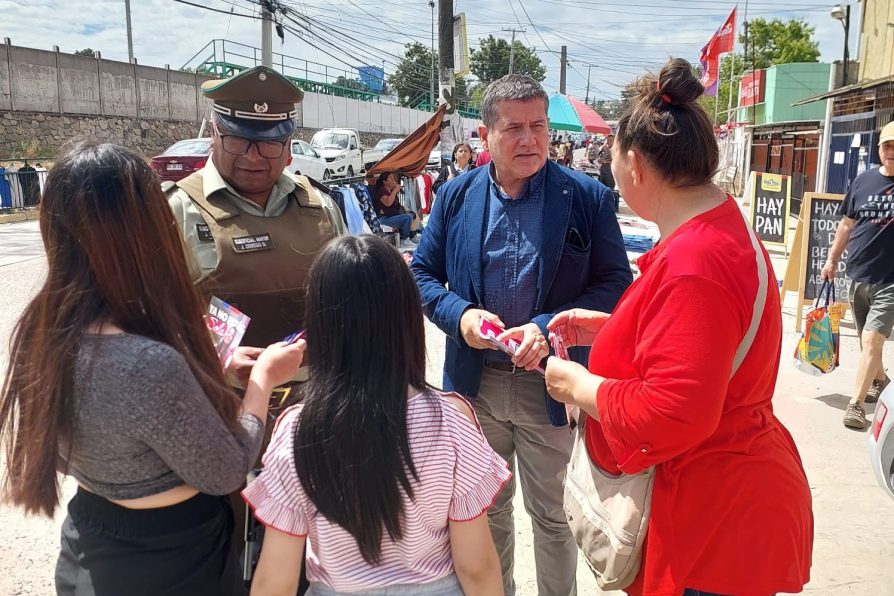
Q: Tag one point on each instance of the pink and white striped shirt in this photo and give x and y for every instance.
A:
(459, 478)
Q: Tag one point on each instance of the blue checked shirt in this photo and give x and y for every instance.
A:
(510, 252)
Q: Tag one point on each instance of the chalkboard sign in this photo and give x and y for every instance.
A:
(821, 217)
(770, 199)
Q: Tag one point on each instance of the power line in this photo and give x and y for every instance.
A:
(226, 12)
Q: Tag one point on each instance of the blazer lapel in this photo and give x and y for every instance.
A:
(557, 197)
(474, 215)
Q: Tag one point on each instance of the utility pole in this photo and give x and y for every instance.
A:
(512, 45)
(129, 33)
(446, 73)
(564, 65)
(432, 102)
(587, 99)
(266, 36)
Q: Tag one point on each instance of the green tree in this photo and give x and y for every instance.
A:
(730, 66)
(491, 60)
(350, 83)
(85, 52)
(779, 42)
(609, 109)
(411, 79)
(769, 43)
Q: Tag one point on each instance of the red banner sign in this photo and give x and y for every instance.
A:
(751, 88)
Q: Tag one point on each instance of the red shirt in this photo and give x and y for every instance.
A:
(482, 159)
(731, 508)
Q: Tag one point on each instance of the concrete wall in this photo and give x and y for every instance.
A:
(105, 98)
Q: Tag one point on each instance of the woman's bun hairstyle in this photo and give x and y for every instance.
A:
(666, 125)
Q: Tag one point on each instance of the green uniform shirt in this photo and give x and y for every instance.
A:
(187, 213)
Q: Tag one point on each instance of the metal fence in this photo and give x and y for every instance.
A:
(21, 188)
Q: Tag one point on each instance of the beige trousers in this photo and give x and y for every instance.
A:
(512, 411)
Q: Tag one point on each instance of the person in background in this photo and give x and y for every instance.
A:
(512, 244)
(114, 380)
(383, 480)
(593, 149)
(483, 157)
(460, 163)
(866, 232)
(553, 150)
(605, 160)
(389, 210)
(672, 382)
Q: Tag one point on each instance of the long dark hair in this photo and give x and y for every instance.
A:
(366, 347)
(115, 255)
(669, 127)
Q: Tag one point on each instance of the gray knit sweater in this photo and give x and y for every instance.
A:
(143, 425)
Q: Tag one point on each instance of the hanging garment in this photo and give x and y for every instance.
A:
(5, 191)
(361, 191)
(354, 216)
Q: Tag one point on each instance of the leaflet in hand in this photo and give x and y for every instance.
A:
(490, 331)
(227, 325)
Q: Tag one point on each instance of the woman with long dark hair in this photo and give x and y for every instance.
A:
(385, 480)
(113, 379)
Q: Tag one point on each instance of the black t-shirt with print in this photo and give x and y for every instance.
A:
(870, 201)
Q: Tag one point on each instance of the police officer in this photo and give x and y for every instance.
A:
(253, 228)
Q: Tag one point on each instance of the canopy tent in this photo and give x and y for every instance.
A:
(567, 113)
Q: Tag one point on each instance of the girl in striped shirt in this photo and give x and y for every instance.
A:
(383, 480)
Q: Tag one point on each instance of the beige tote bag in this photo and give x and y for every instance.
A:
(609, 515)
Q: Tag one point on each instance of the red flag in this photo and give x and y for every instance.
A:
(723, 41)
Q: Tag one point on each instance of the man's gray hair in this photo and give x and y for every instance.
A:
(512, 87)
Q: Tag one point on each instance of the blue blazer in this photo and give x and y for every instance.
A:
(583, 263)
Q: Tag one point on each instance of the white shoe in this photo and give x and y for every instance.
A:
(407, 244)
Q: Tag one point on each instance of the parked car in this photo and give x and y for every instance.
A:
(434, 158)
(181, 159)
(344, 154)
(387, 145)
(305, 160)
(881, 440)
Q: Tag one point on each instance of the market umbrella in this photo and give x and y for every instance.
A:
(411, 156)
(567, 113)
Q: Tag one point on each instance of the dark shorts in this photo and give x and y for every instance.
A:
(873, 306)
(182, 550)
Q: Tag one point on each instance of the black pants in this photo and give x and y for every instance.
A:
(185, 549)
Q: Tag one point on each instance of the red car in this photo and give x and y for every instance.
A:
(182, 159)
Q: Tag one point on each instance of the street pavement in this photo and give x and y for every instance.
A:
(854, 546)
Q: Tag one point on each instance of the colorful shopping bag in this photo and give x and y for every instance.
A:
(818, 349)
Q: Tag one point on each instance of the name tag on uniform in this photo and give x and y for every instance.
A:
(203, 231)
(253, 243)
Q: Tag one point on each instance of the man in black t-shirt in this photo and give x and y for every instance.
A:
(867, 232)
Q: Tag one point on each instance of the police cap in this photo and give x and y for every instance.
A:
(258, 103)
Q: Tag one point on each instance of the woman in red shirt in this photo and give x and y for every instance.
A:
(731, 508)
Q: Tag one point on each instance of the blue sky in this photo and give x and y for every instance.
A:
(614, 41)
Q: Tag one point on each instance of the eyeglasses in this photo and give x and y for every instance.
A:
(236, 145)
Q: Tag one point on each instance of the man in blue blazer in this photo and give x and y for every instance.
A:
(516, 242)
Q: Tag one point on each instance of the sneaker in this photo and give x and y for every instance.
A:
(855, 416)
(875, 390)
(407, 244)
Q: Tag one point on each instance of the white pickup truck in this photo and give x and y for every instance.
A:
(344, 154)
